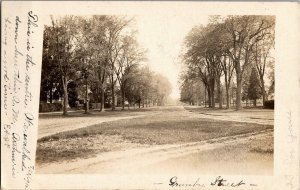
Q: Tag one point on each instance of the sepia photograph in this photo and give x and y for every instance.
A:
(148, 94)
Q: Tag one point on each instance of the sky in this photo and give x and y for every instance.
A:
(163, 37)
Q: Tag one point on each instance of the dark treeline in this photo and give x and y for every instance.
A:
(231, 54)
(96, 59)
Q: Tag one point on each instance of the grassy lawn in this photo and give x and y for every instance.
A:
(251, 158)
(166, 128)
(250, 112)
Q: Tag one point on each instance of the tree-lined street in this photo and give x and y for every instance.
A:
(106, 110)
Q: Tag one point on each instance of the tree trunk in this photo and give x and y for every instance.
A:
(227, 88)
(238, 89)
(219, 92)
(86, 97)
(254, 102)
(51, 93)
(65, 89)
(205, 97)
(102, 100)
(227, 97)
(209, 97)
(112, 93)
(213, 104)
(213, 98)
(139, 103)
(263, 90)
(123, 98)
(264, 96)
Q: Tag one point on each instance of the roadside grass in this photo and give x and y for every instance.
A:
(46, 154)
(78, 147)
(157, 130)
(96, 113)
(167, 128)
(251, 158)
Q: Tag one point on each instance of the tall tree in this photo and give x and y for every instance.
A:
(262, 57)
(62, 50)
(245, 32)
(227, 67)
(271, 77)
(94, 52)
(113, 37)
(163, 87)
(50, 81)
(191, 90)
(130, 57)
(254, 91)
(203, 55)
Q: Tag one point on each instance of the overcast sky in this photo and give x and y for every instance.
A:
(163, 36)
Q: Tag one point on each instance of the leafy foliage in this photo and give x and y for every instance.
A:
(229, 46)
(254, 91)
(93, 58)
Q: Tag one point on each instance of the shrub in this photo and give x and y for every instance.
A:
(269, 104)
(72, 94)
(50, 107)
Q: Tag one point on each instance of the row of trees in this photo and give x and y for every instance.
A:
(227, 48)
(101, 55)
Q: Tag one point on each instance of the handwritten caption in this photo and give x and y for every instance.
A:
(219, 181)
(18, 119)
(291, 157)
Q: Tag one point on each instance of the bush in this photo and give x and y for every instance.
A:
(269, 104)
(72, 94)
(48, 107)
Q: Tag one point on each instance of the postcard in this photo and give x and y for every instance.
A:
(150, 95)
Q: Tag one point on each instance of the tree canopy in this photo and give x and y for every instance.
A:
(225, 49)
(98, 55)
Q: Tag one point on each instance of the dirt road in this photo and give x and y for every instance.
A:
(234, 153)
(149, 159)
